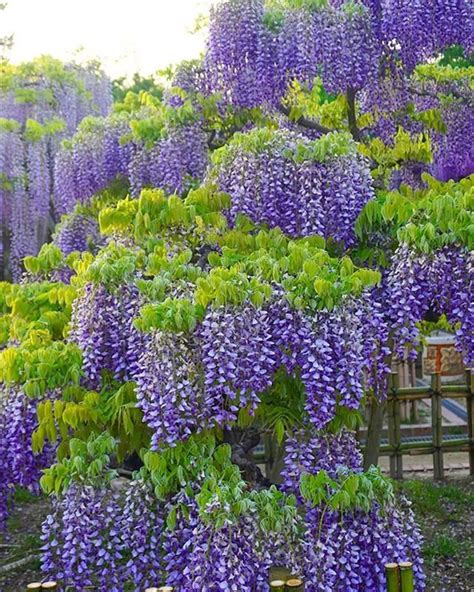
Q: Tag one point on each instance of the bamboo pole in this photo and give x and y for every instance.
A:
(277, 585)
(295, 585)
(437, 426)
(392, 574)
(470, 416)
(406, 576)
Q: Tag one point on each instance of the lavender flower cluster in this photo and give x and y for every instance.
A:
(186, 383)
(443, 282)
(338, 546)
(96, 156)
(302, 196)
(77, 232)
(102, 327)
(254, 52)
(96, 537)
(20, 466)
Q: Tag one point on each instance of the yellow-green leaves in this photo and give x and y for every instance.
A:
(230, 287)
(176, 315)
(430, 218)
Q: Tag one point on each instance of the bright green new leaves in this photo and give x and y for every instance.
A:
(35, 131)
(405, 148)
(428, 219)
(258, 140)
(173, 314)
(48, 259)
(230, 286)
(185, 246)
(87, 464)
(348, 491)
(201, 463)
(40, 364)
(81, 413)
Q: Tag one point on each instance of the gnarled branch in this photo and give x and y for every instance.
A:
(304, 122)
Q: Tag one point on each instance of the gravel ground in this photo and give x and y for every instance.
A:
(445, 513)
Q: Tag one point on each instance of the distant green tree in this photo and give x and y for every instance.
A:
(121, 86)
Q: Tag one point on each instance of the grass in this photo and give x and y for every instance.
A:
(446, 502)
(443, 512)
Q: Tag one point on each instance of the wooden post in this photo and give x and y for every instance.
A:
(470, 416)
(407, 583)
(34, 586)
(392, 574)
(437, 426)
(391, 425)
(277, 586)
(397, 429)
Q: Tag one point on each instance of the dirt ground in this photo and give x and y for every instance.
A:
(445, 513)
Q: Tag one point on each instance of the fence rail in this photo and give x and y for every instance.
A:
(438, 445)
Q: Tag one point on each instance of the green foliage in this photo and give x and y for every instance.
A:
(121, 87)
(82, 413)
(406, 148)
(261, 139)
(172, 314)
(348, 491)
(204, 470)
(87, 464)
(428, 219)
(34, 131)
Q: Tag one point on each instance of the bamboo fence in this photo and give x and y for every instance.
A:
(438, 446)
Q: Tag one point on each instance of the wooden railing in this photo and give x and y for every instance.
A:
(438, 445)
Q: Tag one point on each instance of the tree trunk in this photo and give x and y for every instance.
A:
(374, 431)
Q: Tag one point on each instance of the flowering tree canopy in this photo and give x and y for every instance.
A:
(239, 261)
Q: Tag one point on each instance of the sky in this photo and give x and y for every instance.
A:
(127, 36)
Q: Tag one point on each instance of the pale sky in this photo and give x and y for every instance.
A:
(126, 35)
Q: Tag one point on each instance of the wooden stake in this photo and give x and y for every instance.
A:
(470, 416)
(34, 586)
(437, 423)
(49, 586)
(391, 426)
(277, 585)
(406, 576)
(392, 573)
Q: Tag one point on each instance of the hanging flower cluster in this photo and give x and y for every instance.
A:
(99, 154)
(20, 466)
(255, 51)
(442, 282)
(338, 543)
(304, 187)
